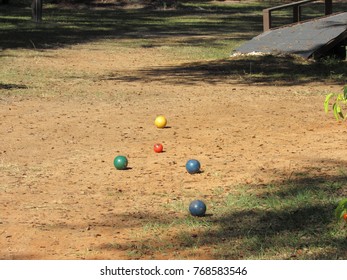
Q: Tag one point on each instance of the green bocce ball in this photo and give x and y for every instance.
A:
(120, 162)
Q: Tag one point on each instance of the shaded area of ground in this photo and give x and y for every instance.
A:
(262, 70)
(63, 27)
(73, 23)
(298, 229)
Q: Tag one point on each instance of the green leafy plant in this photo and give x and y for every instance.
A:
(341, 210)
(340, 102)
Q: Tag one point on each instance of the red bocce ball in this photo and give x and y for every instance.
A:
(158, 148)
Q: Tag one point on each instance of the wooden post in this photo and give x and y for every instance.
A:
(328, 7)
(266, 19)
(36, 7)
(296, 13)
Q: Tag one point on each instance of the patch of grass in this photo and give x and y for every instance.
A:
(201, 34)
(191, 34)
(262, 70)
(175, 205)
(9, 167)
(288, 220)
(205, 49)
(70, 26)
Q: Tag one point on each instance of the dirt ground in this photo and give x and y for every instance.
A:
(62, 198)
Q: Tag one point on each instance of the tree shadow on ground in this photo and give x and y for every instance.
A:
(267, 70)
(64, 25)
(74, 22)
(261, 234)
(291, 219)
(12, 86)
(19, 256)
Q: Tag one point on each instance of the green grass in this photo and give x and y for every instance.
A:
(285, 220)
(203, 34)
(68, 26)
(260, 70)
(293, 219)
(71, 26)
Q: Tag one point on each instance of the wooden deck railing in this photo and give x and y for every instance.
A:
(296, 6)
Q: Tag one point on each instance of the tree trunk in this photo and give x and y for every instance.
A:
(328, 7)
(36, 7)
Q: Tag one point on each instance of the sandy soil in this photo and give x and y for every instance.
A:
(62, 198)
